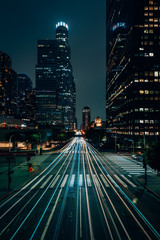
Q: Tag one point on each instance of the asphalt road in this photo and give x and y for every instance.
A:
(81, 194)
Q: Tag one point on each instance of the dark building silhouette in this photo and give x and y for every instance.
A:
(48, 96)
(133, 67)
(30, 104)
(8, 87)
(86, 118)
(55, 87)
(24, 87)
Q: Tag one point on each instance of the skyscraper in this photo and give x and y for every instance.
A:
(54, 80)
(65, 75)
(48, 97)
(8, 87)
(133, 67)
(24, 86)
(86, 118)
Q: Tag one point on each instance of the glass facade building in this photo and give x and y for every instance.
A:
(133, 67)
(24, 87)
(8, 87)
(55, 91)
(86, 118)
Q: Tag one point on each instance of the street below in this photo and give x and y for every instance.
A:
(82, 194)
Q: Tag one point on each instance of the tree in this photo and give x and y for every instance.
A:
(152, 156)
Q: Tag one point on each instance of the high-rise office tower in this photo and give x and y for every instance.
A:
(8, 87)
(24, 86)
(54, 80)
(133, 67)
(65, 75)
(48, 97)
(86, 118)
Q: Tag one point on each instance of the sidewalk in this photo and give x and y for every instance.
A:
(153, 183)
(19, 173)
(153, 180)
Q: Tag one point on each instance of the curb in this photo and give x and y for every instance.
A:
(153, 192)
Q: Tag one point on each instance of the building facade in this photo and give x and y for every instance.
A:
(24, 87)
(86, 118)
(133, 67)
(8, 87)
(55, 89)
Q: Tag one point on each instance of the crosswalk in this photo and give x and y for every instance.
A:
(129, 166)
(79, 181)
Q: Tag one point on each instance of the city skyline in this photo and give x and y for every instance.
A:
(87, 40)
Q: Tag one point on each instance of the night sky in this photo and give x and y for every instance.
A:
(22, 23)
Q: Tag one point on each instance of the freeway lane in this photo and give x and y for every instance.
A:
(77, 196)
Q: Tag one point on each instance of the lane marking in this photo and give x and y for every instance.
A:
(72, 180)
(111, 179)
(80, 180)
(127, 180)
(64, 181)
(44, 184)
(104, 181)
(124, 185)
(54, 182)
(88, 180)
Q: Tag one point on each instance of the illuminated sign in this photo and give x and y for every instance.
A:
(118, 25)
(63, 24)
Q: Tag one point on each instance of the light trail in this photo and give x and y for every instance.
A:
(137, 210)
(58, 158)
(87, 199)
(64, 199)
(77, 203)
(40, 199)
(96, 188)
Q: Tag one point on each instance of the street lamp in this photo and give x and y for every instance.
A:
(10, 142)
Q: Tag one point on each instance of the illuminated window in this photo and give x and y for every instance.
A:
(156, 80)
(146, 31)
(150, 19)
(150, 8)
(151, 54)
(156, 73)
(141, 92)
(146, 92)
(155, 8)
(141, 121)
(151, 31)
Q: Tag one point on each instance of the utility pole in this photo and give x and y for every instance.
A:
(9, 158)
